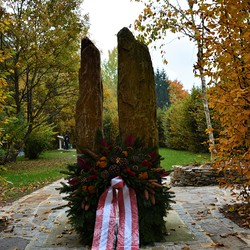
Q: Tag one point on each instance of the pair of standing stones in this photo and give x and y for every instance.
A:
(136, 93)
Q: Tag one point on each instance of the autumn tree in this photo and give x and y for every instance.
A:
(161, 16)
(222, 38)
(4, 56)
(44, 38)
(228, 66)
(110, 110)
(176, 91)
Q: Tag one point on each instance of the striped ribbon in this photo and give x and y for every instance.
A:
(118, 194)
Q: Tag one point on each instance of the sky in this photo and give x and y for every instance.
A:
(108, 17)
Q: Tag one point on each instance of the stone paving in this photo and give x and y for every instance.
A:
(37, 221)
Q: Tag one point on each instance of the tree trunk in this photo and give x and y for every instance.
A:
(205, 102)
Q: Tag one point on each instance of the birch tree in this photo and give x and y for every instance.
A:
(159, 17)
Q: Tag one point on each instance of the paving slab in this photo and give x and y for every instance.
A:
(39, 221)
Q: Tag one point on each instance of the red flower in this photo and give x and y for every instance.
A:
(153, 155)
(83, 164)
(104, 143)
(92, 177)
(146, 163)
(73, 181)
(129, 172)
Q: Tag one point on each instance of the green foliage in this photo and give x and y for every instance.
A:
(161, 124)
(184, 124)
(109, 79)
(176, 133)
(38, 141)
(161, 89)
(43, 38)
(110, 124)
(13, 132)
(196, 122)
(179, 157)
(138, 167)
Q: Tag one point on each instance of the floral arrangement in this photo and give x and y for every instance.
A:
(138, 167)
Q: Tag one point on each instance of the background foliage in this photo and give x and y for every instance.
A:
(42, 40)
(220, 29)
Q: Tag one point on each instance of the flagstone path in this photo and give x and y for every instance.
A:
(37, 221)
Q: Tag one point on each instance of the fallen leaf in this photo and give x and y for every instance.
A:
(47, 212)
(10, 230)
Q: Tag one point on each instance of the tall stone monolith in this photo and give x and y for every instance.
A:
(136, 90)
(90, 102)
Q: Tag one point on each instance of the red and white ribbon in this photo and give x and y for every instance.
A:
(105, 224)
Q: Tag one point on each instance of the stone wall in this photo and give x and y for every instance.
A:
(194, 176)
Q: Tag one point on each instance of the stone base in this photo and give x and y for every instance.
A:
(202, 175)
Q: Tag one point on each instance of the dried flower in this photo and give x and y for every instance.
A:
(125, 153)
(91, 189)
(102, 162)
(143, 176)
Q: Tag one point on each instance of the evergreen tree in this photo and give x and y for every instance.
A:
(161, 89)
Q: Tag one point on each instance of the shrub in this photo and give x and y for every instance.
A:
(38, 141)
(11, 137)
(184, 124)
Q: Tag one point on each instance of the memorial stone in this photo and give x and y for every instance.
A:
(136, 90)
(89, 106)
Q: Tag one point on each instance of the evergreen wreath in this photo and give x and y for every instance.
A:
(138, 167)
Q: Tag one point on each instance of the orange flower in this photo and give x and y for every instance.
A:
(91, 189)
(125, 153)
(103, 158)
(143, 176)
(102, 162)
(84, 188)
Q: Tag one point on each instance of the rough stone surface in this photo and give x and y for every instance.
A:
(13, 243)
(194, 176)
(90, 102)
(136, 90)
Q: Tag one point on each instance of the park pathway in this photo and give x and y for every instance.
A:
(37, 221)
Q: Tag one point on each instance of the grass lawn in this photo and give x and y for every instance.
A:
(177, 157)
(24, 176)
